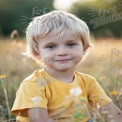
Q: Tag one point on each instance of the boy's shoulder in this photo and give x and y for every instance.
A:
(84, 76)
(85, 80)
(34, 76)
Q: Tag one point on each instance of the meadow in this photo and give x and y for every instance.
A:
(104, 61)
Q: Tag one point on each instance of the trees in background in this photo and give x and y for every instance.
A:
(15, 14)
(103, 17)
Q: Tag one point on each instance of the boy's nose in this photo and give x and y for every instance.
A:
(61, 51)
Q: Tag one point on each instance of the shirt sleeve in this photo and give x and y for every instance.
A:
(96, 94)
(29, 95)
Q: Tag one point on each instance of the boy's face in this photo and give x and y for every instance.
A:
(62, 53)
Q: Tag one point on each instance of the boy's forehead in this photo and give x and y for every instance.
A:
(58, 35)
(53, 37)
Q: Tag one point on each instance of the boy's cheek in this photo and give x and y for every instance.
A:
(79, 55)
(47, 60)
(44, 54)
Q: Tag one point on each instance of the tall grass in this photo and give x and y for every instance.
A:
(103, 62)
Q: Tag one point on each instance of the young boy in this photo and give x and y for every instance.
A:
(57, 93)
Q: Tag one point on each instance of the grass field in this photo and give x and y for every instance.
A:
(104, 61)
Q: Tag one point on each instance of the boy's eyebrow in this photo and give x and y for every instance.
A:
(73, 40)
(54, 43)
(70, 40)
(48, 43)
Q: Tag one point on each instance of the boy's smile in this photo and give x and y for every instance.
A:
(63, 60)
(60, 53)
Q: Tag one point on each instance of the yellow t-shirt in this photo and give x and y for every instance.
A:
(64, 101)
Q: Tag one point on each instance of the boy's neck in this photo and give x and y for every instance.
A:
(64, 76)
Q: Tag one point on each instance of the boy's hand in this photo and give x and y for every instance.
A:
(39, 115)
(113, 110)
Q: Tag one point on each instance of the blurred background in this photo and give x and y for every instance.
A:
(104, 60)
(103, 17)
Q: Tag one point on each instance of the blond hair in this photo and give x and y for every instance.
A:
(59, 22)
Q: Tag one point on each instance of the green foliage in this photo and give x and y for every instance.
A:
(103, 17)
(15, 14)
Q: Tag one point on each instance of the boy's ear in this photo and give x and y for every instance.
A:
(36, 54)
(84, 52)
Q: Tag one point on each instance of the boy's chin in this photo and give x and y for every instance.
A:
(63, 68)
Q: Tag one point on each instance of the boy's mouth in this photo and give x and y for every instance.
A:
(63, 60)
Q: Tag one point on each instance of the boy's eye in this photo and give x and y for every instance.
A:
(71, 44)
(51, 46)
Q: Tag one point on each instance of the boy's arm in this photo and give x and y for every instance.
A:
(114, 111)
(39, 115)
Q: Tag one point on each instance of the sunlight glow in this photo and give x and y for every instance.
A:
(66, 4)
(63, 4)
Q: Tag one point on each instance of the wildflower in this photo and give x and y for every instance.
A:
(98, 105)
(75, 91)
(2, 76)
(105, 112)
(113, 93)
(83, 98)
